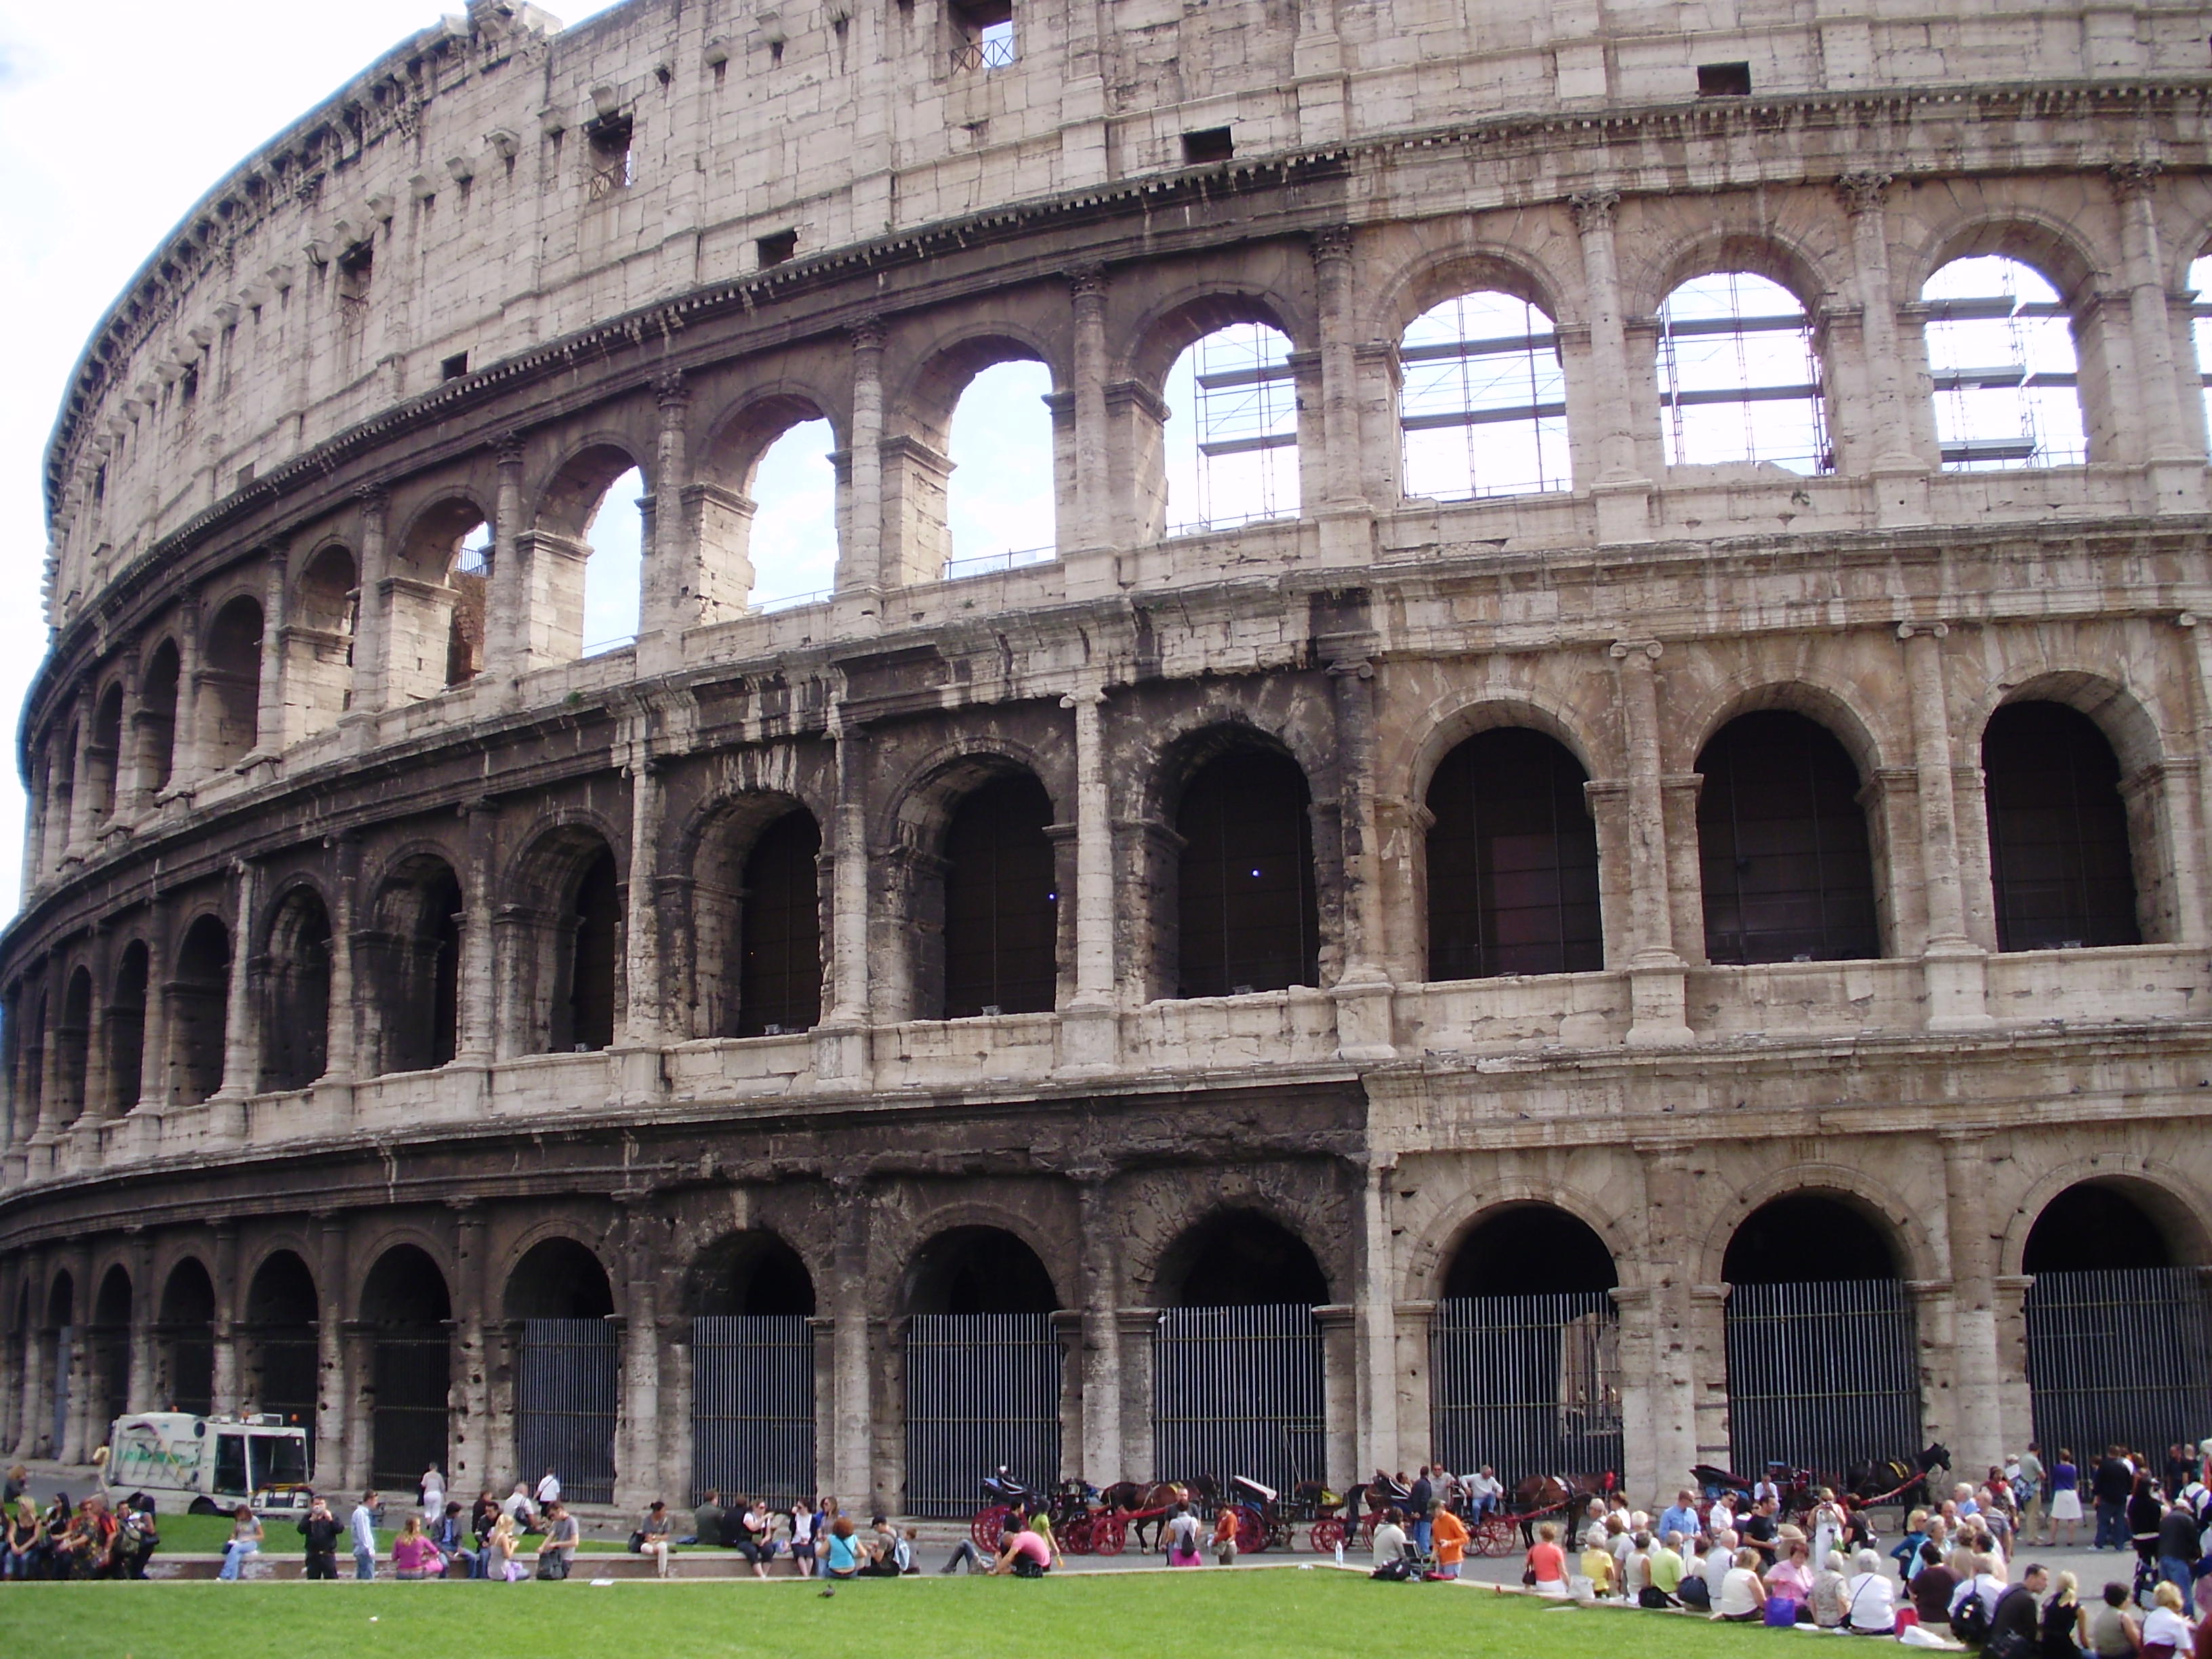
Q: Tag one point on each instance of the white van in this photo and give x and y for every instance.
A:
(208, 1465)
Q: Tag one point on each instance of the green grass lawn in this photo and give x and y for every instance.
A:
(1268, 1613)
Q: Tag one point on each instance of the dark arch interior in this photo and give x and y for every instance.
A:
(405, 1288)
(418, 980)
(157, 699)
(296, 991)
(1808, 1237)
(189, 1297)
(750, 1273)
(1783, 845)
(2059, 858)
(1530, 1250)
(1512, 860)
(1248, 917)
(1241, 1258)
(111, 1308)
(126, 1029)
(188, 1337)
(559, 1279)
(111, 1344)
(1000, 909)
(73, 1038)
(594, 919)
(979, 1270)
(61, 1300)
(2094, 1227)
(230, 681)
(283, 1292)
(197, 1005)
(779, 949)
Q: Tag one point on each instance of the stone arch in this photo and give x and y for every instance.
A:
(1471, 266)
(556, 1275)
(318, 635)
(767, 522)
(61, 1299)
(977, 1268)
(229, 684)
(746, 427)
(185, 1337)
(1787, 259)
(753, 1272)
(1239, 1252)
(2177, 1207)
(408, 965)
(125, 1019)
(587, 569)
(2120, 712)
(575, 484)
(198, 993)
(1911, 1252)
(562, 928)
(295, 987)
(1451, 719)
(405, 1310)
(158, 690)
(73, 1037)
(279, 1336)
(1178, 319)
(1430, 1248)
(1553, 1250)
(435, 621)
(109, 1336)
(2047, 244)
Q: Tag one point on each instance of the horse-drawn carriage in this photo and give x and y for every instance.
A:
(1869, 1483)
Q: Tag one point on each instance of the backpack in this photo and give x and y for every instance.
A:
(1971, 1623)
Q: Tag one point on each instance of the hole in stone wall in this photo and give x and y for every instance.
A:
(1724, 80)
(776, 248)
(1208, 144)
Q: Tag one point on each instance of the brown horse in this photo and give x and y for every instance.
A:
(1150, 1500)
(1554, 1498)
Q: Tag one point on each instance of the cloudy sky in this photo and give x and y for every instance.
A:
(116, 117)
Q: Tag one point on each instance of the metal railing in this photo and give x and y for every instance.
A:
(1529, 1384)
(981, 1389)
(2119, 1356)
(983, 564)
(1239, 1391)
(566, 1399)
(753, 1407)
(1822, 1376)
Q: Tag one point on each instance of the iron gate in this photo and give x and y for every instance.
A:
(981, 1389)
(191, 1370)
(1529, 1384)
(291, 1371)
(1239, 1391)
(2120, 1357)
(566, 1388)
(752, 1406)
(1821, 1375)
(410, 1373)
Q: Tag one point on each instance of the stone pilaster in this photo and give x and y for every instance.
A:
(2174, 465)
(1893, 420)
(1655, 970)
(1952, 964)
(1623, 494)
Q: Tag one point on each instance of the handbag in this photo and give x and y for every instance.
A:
(554, 1566)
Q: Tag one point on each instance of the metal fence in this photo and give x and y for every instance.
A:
(752, 1406)
(1822, 1376)
(981, 1389)
(407, 1428)
(2120, 1356)
(1529, 1384)
(1239, 1391)
(567, 1385)
(290, 1379)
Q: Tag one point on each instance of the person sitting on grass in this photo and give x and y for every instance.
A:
(842, 1556)
(1025, 1555)
(137, 1535)
(1871, 1606)
(882, 1550)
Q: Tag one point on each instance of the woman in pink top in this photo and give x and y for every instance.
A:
(412, 1554)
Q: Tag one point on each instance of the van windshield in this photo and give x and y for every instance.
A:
(230, 1463)
(279, 1460)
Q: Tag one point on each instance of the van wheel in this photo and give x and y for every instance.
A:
(204, 1506)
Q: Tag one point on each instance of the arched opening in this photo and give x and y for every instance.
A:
(437, 613)
(283, 1316)
(2119, 1318)
(1782, 846)
(614, 574)
(157, 716)
(230, 685)
(295, 993)
(2200, 327)
(999, 501)
(790, 542)
(110, 1337)
(74, 1036)
(1823, 1355)
(1740, 377)
(184, 1339)
(778, 928)
(126, 1029)
(1235, 394)
(103, 755)
(1512, 860)
(199, 1012)
(1524, 1352)
(2000, 351)
(1002, 906)
(570, 951)
(568, 1369)
(752, 1370)
(318, 633)
(2060, 859)
(60, 796)
(984, 1369)
(1482, 400)
(1238, 1365)
(407, 1314)
(1247, 914)
(411, 967)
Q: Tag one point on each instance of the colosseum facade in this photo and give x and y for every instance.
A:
(1639, 901)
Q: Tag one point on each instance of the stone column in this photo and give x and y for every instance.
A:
(1708, 1356)
(268, 733)
(338, 1043)
(372, 627)
(860, 568)
(506, 622)
(1101, 1456)
(226, 1106)
(145, 1306)
(852, 1419)
(184, 767)
(644, 1028)
(1089, 1025)
(474, 1039)
(1343, 1389)
(225, 1386)
(134, 770)
(1901, 473)
(1347, 535)
(1623, 496)
(83, 1434)
(1362, 992)
(1375, 1327)
(471, 1455)
(2173, 462)
(336, 1404)
(1668, 1379)
(153, 1052)
(1656, 969)
(841, 1038)
(1951, 963)
(79, 828)
(1087, 540)
(1974, 1366)
(2198, 645)
(676, 596)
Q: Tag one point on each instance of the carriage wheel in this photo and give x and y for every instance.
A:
(988, 1527)
(1327, 1533)
(1493, 1536)
(1251, 1530)
(1075, 1534)
(1110, 1536)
